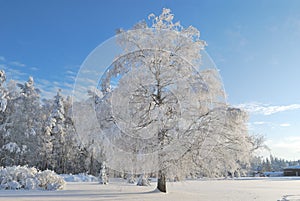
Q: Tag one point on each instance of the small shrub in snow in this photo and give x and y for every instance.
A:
(143, 180)
(131, 179)
(49, 180)
(22, 177)
(103, 178)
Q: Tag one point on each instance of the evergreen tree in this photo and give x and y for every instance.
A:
(56, 131)
(103, 174)
(23, 125)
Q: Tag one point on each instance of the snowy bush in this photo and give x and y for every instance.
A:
(49, 180)
(11, 147)
(30, 184)
(103, 178)
(131, 179)
(22, 177)
(143, 180)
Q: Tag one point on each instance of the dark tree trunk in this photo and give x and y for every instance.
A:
(161, 177)
(161, 182)
(91, 168)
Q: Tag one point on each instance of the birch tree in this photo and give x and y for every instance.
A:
(160, 105)
(161, 99)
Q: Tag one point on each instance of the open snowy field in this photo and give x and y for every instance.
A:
(262, 189)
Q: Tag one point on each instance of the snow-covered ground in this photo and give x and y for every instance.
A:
(259, 189)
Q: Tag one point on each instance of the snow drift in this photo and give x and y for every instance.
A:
(82, 177)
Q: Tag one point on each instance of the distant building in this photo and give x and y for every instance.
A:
(273, 174)
(292, 171)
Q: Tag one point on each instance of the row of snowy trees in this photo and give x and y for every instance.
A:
(269, 164)
(39, 132)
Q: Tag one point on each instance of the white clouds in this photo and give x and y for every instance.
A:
(285, 124)
(70, 75)
(49, 85)
(265, 109)
(34, 68)
(260, 123)
(281, 130)
(16, 74)
(3, 66)
(50, 88)
(10, 65)
(287, 147)
(17, 64)
(69, 72)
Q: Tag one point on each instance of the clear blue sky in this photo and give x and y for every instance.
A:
(254, 43)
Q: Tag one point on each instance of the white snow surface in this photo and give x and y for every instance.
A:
(246, 189)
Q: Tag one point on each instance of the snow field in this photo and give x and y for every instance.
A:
(265, 189)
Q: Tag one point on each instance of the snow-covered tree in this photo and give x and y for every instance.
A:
(77, 154)
(23, 124)
(161, 100)
(163, 110)
(103, 174)
(9, 150)
(143, 180)
(45, 139)
(3, 92)
(232, 149)
(3, 105)
(59, 136)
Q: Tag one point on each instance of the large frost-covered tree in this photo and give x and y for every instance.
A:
(162, 107)
(159, 100)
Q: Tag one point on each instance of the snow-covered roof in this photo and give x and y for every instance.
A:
(293, 167)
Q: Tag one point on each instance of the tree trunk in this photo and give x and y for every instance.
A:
(161, 182)
(91, 168)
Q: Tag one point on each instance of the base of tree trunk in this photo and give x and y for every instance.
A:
(161, 182)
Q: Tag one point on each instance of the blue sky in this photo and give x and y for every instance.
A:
(255, 44)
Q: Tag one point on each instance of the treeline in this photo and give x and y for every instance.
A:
(271, 164)
(39, 132)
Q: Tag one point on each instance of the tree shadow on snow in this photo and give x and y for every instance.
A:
(290, 198)
(66, 194)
